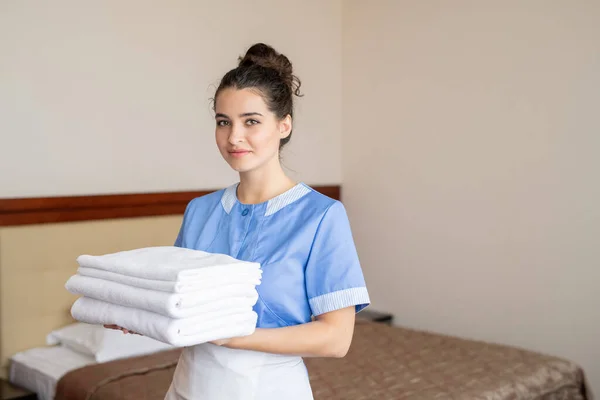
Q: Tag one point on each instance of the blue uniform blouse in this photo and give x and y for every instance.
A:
(302, 240)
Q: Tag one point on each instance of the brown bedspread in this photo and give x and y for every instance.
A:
(384, 363)
(147, 377)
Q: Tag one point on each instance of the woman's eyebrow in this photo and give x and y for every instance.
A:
(248, 114)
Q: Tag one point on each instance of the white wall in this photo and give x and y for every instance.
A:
(471, 167)
(113, 96)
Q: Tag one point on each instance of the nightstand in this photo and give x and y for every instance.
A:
(10, 392)
(375, 316)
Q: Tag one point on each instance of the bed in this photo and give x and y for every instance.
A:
(384, 362)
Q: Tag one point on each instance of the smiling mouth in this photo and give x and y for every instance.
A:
(239, 153)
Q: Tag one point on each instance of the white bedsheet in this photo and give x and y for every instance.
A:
(176, 332)
(40, 368)
(172, 305)
(168, 263)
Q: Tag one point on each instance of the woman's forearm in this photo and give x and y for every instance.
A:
(328, 337)
(314, 339)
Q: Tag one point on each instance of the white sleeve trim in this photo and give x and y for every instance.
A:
(358, 296)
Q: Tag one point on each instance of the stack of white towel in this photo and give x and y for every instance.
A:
(179, 296)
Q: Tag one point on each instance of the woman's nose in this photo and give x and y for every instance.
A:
(236, 135)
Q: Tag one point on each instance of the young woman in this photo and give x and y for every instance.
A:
(312, 283)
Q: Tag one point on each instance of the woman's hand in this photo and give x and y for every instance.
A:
(118, 328)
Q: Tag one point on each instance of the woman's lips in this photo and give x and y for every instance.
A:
(239, 153)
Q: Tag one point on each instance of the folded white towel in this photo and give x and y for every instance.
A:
(167, 263)
(177, 332)
(182, 286)
(173, 305)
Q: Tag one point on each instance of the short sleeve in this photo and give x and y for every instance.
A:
(334, 277)
(179, 240)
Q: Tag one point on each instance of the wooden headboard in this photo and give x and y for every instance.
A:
(40, 239)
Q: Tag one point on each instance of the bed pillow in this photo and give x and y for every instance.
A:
(103, 344)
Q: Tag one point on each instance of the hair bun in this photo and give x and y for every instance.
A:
(266, 56)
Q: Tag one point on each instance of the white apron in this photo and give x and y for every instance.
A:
(211, 372)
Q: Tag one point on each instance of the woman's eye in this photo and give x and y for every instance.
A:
(252, 122)
(222, 123)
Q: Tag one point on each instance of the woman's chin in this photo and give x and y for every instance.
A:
(240, 167)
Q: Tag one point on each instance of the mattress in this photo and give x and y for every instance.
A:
(39, 369)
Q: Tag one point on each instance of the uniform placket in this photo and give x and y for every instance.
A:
(247, 215)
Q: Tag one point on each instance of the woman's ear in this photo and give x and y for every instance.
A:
(285, 126)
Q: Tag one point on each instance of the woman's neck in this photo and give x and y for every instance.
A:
(262, 185)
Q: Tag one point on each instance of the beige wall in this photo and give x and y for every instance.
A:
(113, 96)
(471, 167)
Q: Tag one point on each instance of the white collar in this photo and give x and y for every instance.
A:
(229, 198)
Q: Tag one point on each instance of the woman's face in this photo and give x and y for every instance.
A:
(247, 133)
